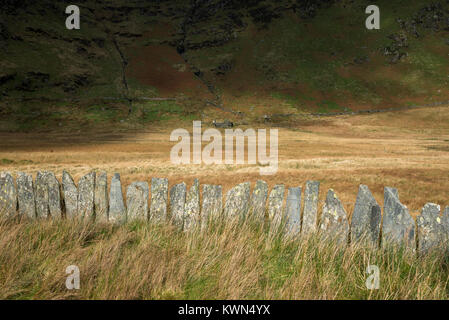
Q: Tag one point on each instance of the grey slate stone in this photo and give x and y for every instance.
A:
(259, 200)
(54, 196)
(70, 195)
(25, 195)
(117, 210)
(366, 217)
(309, 216)
(137, 196)
(177, 204)
(192, 206)
(275, 202)
(237, 201)
(86, 195)
(445, 226)
(41, 195)
(8, 195)
(398, 226)
(334, 222)
(212, 204)
(101, 197)
(159, 197)
(430, 228)
(293, 211)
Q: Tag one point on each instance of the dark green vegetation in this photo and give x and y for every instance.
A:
(256, 57)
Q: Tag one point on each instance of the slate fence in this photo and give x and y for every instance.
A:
(188, 208)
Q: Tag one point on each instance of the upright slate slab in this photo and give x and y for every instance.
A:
(334, 222)
(86, 195)
(137, 196)
(445, 223)
(25, 195)
(41, 195)
(101, 197)
(54, 196)
(8, 195)
(212, 204)
(275, 202)
(431, 231)
(366, 217)
(309, 216)
(292, 211)
(259, 200)
(70, 195)
(398, 226)
(237, 201)
(177, 204)
(192, 206)
(117, 210)
(159, 197)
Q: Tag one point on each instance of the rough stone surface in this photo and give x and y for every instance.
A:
(293, 210)
(309, 217)
(159, 197)
(192, 206)
(445, 223)
(430, 228)
(177, 204)
(259, 200)
(334, 222)
(212, 204)
(275, 202)
(237, 200)
(366, 217)
(398, 226)
(137, 196)
(8, 195)
(41, 195)
(70, 195)
(54, 196)
(117, 210)
(25, 195)
(86, 195)
(101, 197)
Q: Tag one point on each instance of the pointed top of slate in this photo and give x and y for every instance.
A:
(117, 210)
(366, 216)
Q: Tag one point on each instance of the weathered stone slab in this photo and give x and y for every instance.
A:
(309, 216)
(86, 195)
(259, 200)
(192, 206)
(41, 195)
(212, 204)
(275, 202)
(54, 196)
(101, 197)
(159, 197)
(117, 211)
(334, 222)
(8, 195)
(445, 223)
(431, 233)
(137, 196)
(25, 195)
(177, 204)
(398, 226)
(293, 211)
(366, 217)
(70, 195)
(237, 201)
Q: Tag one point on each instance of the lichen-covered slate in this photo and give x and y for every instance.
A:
(54, 196)
(275, 202)
(25, 195)
(8, 195)
(398, 226)
(309, 216)
(212, 204)
(334, 222)
(366, 217)
(177, 204)
(159, 197)
(101, 197)
(117, 210)
(70, 193)
(137, 196)
(445, 226)
(192, 206)
(86, 195)
(259, 200)
(41, 195)
(292, 211)
(430, 228)
(237, 200)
